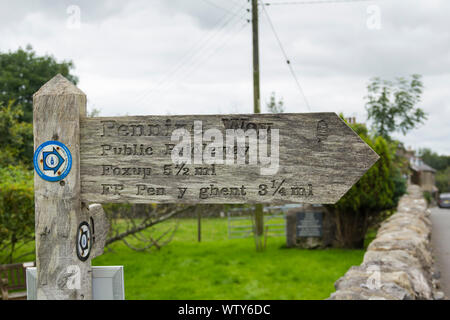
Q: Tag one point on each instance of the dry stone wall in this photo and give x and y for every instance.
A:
(398, 264)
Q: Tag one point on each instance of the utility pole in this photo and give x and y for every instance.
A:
(255, 36)
(259, 216)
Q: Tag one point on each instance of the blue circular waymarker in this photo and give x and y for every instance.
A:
(52, 161)
(84, 241)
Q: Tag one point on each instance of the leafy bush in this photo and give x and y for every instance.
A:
(438, 162)
(16, 209)
(400, 185)
(378, 190)
(16, 137)
(427, 196)
(443, 180)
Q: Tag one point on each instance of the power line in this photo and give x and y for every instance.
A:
(237, 2)
(191, 53)
(193, 62)
(222, 8)
(313, 2)
(194, 53)
(288, 61)
(210, 54)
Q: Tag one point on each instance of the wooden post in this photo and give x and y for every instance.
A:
(59, 213)
(255, 45)
(259, 214)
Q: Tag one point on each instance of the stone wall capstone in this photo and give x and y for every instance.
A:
(398, 264)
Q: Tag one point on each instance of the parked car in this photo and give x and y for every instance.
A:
(444, 200)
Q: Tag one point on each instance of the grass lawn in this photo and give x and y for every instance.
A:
(218, 268)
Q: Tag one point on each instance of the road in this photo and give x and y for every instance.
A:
(440, 238)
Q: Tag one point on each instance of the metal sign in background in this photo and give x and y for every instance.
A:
(309, 224)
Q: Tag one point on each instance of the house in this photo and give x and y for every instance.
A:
(423, 175)
(419, 172)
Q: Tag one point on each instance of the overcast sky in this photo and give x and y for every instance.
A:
(194, 56)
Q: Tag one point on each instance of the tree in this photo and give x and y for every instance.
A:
(443, 180)
(442, 165)
(391, 105)
(137, 226)
(16, 182)
(145, 227)
(16, 210)
(23, 72)
(16, 137)
(375, 192)
(434, 160)
(273, 106)
(94, 112)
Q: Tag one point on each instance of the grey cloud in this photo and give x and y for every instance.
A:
(207, 13)
(91, 11)
(125, 48)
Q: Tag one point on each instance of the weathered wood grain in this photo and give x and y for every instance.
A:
(100, 227)
(318, 152)
(57, 108)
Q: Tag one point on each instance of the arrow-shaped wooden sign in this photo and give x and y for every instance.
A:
(252, 158)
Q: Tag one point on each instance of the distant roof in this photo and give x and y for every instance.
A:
(422, 167)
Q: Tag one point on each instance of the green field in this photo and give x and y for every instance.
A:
(219, 268)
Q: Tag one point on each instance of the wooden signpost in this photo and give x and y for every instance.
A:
(255, 158)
